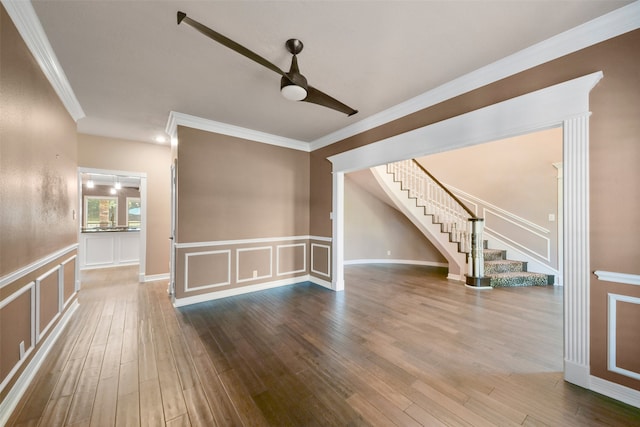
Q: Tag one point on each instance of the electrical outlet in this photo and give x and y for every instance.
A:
(21, 349)
(255, 273)
(552, 217)
(388, 253)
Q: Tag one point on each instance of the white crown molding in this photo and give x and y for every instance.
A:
(26, 21)
(260, 240)
(180, 119)
(542, 109)
(609, 276)
(607, 26)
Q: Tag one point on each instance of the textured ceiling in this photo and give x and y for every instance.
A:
(130, 64)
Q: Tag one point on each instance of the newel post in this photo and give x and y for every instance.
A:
(475, 276)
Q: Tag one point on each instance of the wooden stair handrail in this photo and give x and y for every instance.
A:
(467, 210)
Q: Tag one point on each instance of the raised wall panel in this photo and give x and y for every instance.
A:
(320, 259)
(69, 278)
(17, 318)
(47, 300)
(623, 355)
(536, 240)
(129, 245)
(291, 259)
(207, 269)
(99, 250)
(254, 264)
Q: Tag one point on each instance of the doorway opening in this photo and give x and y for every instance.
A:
(113, 219)
(563, 105)
(512, 183)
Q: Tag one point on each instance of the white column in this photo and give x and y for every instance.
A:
(560, 222)
(576, 253)
(337, 216)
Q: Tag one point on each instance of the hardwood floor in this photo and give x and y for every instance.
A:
(401, 346)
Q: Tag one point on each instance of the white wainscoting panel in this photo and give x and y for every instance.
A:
(39, 283)
(279, 248)
(318, 247)
(30, 287)
(191, 255)
(239, 253)
(612, 333)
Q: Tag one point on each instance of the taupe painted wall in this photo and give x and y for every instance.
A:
(614, 158)
(38, 197)
(231, 188)
(132, 156)
(372, 226)
(38, 157)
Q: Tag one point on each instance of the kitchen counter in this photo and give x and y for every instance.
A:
(109, 229)
(109, 247)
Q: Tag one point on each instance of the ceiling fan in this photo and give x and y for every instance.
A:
(293, 85)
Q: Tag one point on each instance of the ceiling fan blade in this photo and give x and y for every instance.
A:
(320, 98)
(225, 41)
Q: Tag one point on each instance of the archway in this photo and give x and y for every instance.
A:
(565, 104)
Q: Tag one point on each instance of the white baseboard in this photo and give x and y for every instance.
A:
(616, 391)
(320, 282)
(210, 296)
(155, 277)
(577, 374)
(10, 402)
(100, 266)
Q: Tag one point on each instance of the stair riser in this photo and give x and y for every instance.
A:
(508, 267)
(494, 255)
(499, 282)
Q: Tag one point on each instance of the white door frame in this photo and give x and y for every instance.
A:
(565, 104)
(143, 209)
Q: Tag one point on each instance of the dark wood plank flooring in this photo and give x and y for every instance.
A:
(401, 346)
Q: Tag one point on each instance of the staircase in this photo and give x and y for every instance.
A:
(452, 228)
(506, 273)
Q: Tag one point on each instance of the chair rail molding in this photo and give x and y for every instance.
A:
(610, 276)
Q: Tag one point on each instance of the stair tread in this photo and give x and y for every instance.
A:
(503, 261)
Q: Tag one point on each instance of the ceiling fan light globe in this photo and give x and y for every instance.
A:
(294, 92)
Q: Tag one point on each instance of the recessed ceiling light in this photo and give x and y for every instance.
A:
(161, 139)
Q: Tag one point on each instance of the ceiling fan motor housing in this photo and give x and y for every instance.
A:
(293, 85)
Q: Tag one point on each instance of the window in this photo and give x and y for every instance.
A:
(100, 211)
(133, 212)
